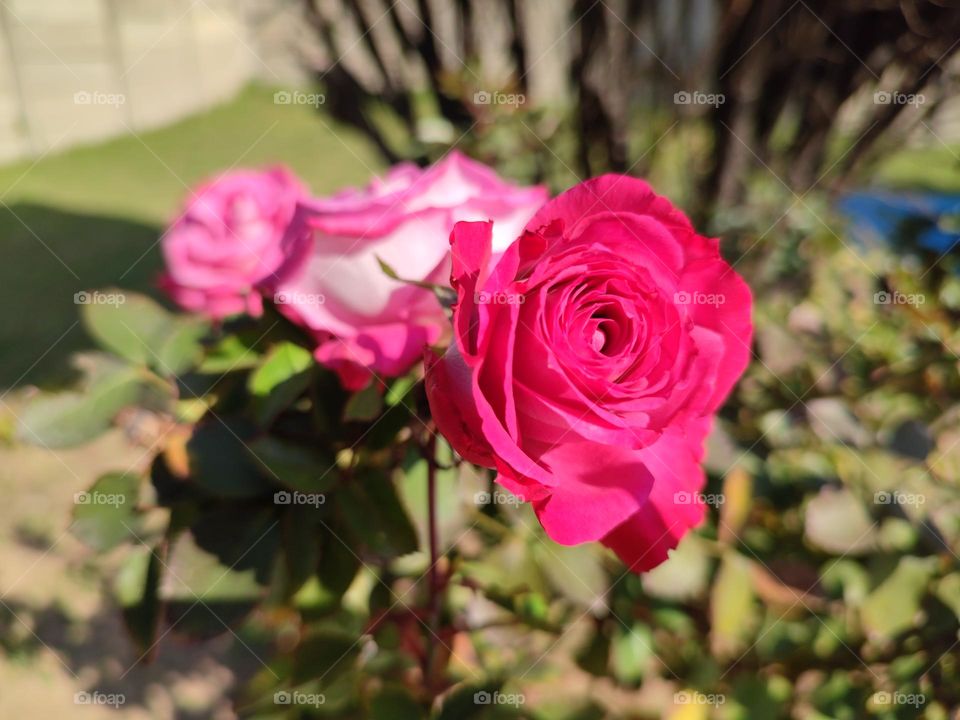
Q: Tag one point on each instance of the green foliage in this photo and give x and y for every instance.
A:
(107, 515)
(137, 591)
(279, 380)
(72, 418)
(140, 331)
(203, 593)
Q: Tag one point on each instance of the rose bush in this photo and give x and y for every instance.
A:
(588, 361)
(333, 284)
(339, 531)
(227, 243)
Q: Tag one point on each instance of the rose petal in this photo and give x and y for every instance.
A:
(599, 486)
(673, 507)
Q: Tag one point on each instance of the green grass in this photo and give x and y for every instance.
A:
(90, 217)
(931, 168)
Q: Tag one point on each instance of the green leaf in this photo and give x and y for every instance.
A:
(834, 422)
(375, 516)
(324, 655)
(685, 574)
(781, 429)
(220, 462)
(594, 656)
(945, 458)
(233, 352)
(506, 569)
(631, 651)
(295, 466)
(387, 269)
(203, 596)
(948, 591)
(365, 405)
(383, 432)
(338, 563)
(180, 349)
(106, 516)
(140, 330)
(737, 500)
(128, 328)
(72, 418)
(452, 483)
(469, 701)
(897, 535)
(533, 610)
(573, 571)
(281, 379)
(392, 274)
(445, 295)
(394, 702)
(837, 522)
(136, 589)
(762, 697)
(894, 605)
(400, 390)
(830, 637)
(300, 537)
(846, 578)
(242, 535)
(732, 602)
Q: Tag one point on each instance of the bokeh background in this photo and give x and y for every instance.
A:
(819, 140)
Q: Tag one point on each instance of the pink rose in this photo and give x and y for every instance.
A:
(364, 321)
(228, 242)
(588, 362)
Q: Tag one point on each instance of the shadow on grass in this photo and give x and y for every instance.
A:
(49, 255)
(197, 678)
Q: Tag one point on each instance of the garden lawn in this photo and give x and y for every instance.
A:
(90, 217)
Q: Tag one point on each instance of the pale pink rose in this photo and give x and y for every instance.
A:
(226, 245)
(589, 360)
(366, 323)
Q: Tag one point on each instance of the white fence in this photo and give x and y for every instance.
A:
(74, 71)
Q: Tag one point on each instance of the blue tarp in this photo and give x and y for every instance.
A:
(919, 219)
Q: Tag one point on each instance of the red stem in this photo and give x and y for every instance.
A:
(434, 579)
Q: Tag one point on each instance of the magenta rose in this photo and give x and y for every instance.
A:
(227, 243)
(588, 362)
(365, 322)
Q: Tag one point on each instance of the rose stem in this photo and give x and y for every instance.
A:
(430, 451)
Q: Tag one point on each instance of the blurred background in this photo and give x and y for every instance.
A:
(819, 139)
